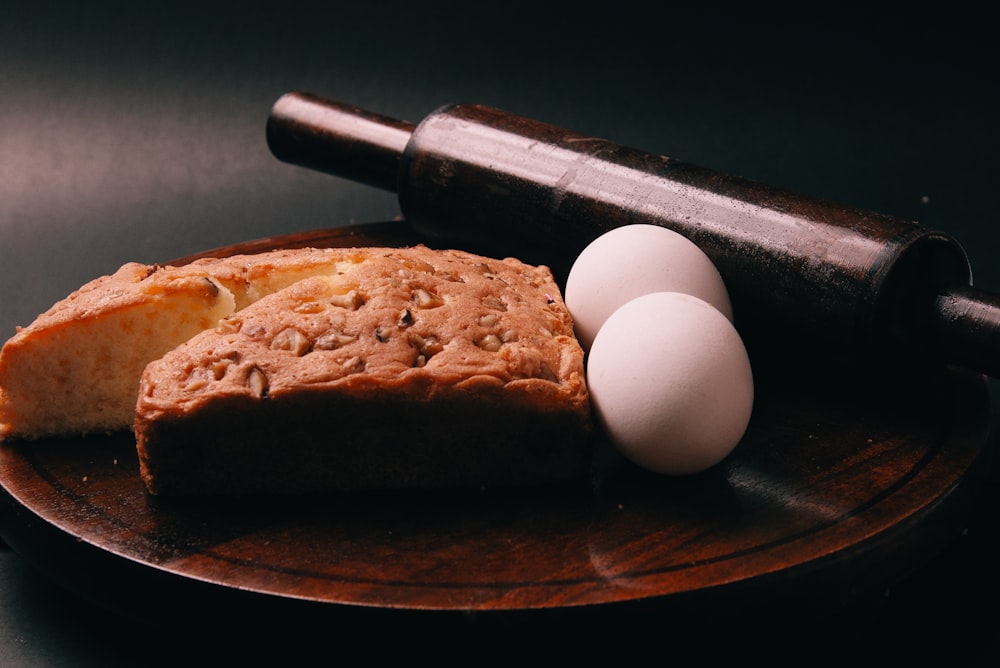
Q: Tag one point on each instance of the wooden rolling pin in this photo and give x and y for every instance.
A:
(804, 275)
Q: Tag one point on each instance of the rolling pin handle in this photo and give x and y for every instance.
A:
(338, 139)
(965, 329)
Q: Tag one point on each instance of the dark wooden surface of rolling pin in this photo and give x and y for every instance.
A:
(822, 279)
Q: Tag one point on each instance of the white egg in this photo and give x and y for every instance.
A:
(635, 260)
(670, 382)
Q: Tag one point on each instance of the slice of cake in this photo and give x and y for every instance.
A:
(403, 368)
(75, 370)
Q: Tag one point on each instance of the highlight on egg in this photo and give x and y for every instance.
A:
(671, 383)
(634, 260)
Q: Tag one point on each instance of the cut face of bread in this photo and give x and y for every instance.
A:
(75, 374)
(401, 368)
(75, 370)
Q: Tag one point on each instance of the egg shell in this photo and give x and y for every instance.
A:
(634, 260)
(671, 383)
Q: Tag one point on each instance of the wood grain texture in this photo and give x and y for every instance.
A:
(838, 490)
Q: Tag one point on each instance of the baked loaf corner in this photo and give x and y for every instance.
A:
(75, 369)
(404, 368)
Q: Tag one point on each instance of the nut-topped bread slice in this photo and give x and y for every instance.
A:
(401, 368)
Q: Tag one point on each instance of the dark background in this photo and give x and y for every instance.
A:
(135, 131)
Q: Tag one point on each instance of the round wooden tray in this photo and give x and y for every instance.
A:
(838, 490)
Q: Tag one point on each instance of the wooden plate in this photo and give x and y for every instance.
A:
(838, 490)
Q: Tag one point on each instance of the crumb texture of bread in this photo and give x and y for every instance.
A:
(397, 368)
(75, 369)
